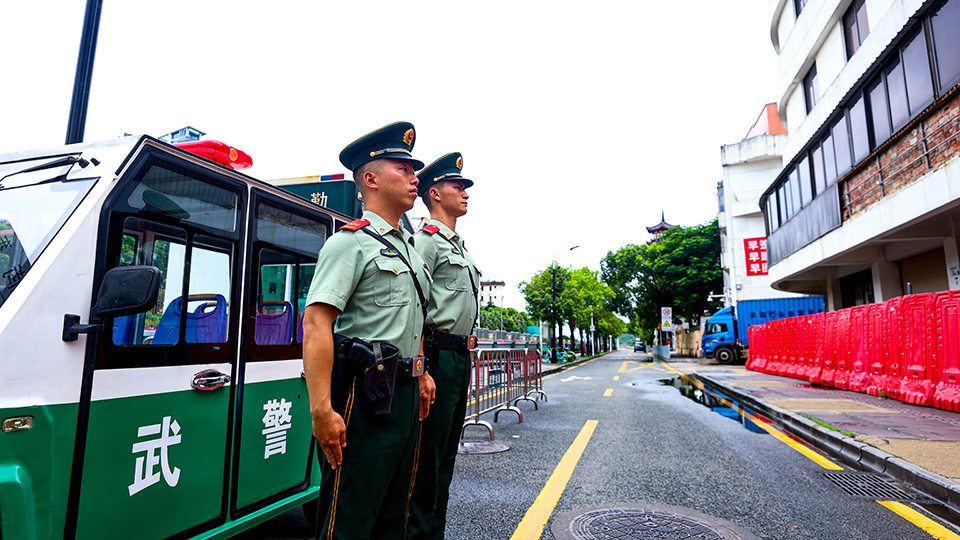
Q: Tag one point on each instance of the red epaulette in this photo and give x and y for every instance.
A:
(431, 229)
(356, 225)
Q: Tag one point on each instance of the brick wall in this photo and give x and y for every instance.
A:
(901, 160)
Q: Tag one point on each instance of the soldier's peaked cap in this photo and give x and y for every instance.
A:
(394, 141)
(447, 167)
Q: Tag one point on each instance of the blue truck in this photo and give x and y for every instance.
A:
(726, 336)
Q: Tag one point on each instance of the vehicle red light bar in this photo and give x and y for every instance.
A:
(219, 153)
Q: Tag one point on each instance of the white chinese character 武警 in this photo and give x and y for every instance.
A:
(276, 422)
(146, 474)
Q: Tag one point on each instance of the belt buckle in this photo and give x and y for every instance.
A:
(417, 366)
(471, 342)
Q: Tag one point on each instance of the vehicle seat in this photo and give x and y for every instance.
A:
(206, 324)
(274, 328)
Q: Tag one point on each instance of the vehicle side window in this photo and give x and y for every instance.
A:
(287, 244)
(152, 244)
(717, 328)
(275, 316)
(208, 312)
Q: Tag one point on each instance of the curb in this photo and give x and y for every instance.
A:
(847, 450)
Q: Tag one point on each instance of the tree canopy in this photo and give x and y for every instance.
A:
(681, 270)
(580, 295)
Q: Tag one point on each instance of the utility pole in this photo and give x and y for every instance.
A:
(81, 82)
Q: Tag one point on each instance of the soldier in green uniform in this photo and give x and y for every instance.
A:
(367, 285)
(450, 319)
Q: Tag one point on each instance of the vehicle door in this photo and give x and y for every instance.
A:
(156, 405)
(273, 449)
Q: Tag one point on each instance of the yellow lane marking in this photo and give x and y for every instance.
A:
(608, 392)
(815, 457)
(932, 527)
(656, 366)
(616, 378)
(531, 526)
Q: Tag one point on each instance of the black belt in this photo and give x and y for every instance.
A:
(456, 342)
(411, 367)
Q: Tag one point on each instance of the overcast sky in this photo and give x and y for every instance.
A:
(578, 121)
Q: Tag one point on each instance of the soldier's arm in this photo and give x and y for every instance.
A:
(328, 426)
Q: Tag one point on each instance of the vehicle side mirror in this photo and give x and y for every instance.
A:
(125, 290)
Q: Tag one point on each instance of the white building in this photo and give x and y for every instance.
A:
(749, 167)
(869, 197)
(491, 292)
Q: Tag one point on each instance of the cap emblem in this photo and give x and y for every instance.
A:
(460, 162)
(408, 136)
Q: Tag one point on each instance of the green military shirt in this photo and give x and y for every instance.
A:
(371, 286)
(453, 297)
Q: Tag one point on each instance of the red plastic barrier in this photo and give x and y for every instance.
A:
(917, 346)
(814, 336)
(878, 341)
(859, 346)
(947, 393)
(775, 349)
(792, 329)
(892, 354)
(841, 377)
(829, 359)
(757, 355)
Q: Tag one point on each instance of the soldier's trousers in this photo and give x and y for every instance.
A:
(438, 446)
(368, 495)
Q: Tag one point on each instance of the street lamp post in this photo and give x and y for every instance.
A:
(553, 310)
(501, 312)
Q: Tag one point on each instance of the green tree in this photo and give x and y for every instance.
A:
(513, 320)
(679, 271)
(538, 294)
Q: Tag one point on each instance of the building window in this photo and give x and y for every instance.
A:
(879, 112)
(946, 43)
(819, 175)
(917, 68)
(855, 27)
(858, 130)
(806, 185)
(841, 144)
(772, 222)
(829, 160)
(782, 197)
(810, 90)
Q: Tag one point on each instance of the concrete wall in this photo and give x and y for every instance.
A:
(687, 342)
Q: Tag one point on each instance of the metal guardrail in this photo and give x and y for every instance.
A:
(501, 378)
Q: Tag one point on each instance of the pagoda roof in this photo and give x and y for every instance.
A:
(660, 227)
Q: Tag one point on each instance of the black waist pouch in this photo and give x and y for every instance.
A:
(376, 362)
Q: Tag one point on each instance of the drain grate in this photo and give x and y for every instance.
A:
(629, 524)
(871, 486)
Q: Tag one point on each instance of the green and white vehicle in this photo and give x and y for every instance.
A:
(150, 347)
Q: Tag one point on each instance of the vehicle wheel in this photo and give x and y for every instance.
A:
(310, 512)
(725, 356)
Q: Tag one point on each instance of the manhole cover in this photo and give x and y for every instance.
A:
(481, 447)
(630, 524)
(871, 486)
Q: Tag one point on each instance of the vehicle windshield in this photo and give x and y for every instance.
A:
(32, 210)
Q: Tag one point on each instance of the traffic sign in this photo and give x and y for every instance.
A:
(666, 319)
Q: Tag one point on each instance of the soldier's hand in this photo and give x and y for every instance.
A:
(428, 393)
(331, 433)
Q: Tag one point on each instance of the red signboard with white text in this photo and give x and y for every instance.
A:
(756, 253)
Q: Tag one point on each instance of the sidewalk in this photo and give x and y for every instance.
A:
(919, 445)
